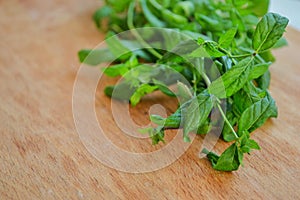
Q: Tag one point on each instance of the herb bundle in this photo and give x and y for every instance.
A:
(237, 36)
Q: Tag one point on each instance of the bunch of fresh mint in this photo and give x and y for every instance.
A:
(237, 37)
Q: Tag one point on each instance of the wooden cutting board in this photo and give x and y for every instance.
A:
(43, 157)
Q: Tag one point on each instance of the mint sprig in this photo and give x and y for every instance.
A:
(237, 36)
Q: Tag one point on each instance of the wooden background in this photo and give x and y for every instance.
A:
(42, 157)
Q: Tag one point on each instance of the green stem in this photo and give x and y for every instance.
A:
(205, 151)
(234, 56)
(195, 84)
(227, 122)
(240, 56)
(156, 4)
(206, 79)
(136, 34)
(208, 82)
(228, 54)
(260, 58)
(200, 69)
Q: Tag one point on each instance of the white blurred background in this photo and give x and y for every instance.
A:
(288, 8)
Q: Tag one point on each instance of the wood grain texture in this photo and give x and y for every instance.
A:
(42, 156)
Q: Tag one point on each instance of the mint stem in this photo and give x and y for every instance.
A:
(205, 151)
(227, 122)
(208, 82)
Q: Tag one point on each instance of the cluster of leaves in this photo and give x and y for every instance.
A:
(237, 36)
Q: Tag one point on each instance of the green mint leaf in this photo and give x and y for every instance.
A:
(122, 91)
(156, 134)
(184, 92)
(171, 122)
(246, 97)
(132, 45)
(254, 92)
(207, 49)
(229, 159)
(244, 138)
(196, 112)
(267, 56)
(233, 80)
(157, 137)
(252, 144)
(263, 82)
(164, 88)
(116, 70)
(256, 115)
(173, 40)
(247, 144)
(140, 92)
(100, 14)
(237, 20)
(95, 57)
(200, 40)
(174, 120)
(226, 39)
(213, 50)
(199, 52)
(268, 31)
(158, 120)
(212, 157)
(258, 70)
(204, 128)
(116, 47)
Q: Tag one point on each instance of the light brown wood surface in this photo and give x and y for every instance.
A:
(42, 156)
